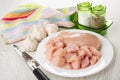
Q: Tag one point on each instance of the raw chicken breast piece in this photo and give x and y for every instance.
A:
(71, 47)
(76, 63)
(70, 57)
(59, 52)
(93, 60)
(87, 51)
(81, 54)
(94, 51)
(84, 39)
(59, 45)
(58, 61)
(68, 66)
(85, 62)
(90, 40)
(49, 52)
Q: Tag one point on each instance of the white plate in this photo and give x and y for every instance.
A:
(106, 52)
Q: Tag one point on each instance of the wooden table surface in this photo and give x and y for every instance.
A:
(12, 67)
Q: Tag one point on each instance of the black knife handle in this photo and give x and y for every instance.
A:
(40, 75)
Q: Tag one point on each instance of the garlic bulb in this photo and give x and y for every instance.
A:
(38, 33)
(29, 44)
(51, 28)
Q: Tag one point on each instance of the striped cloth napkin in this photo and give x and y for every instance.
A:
(17, 24)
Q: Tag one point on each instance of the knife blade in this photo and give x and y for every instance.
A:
(32, 64)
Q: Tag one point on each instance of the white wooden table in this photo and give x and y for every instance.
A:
(12, 67)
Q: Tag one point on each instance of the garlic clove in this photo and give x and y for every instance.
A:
(38, 33)
(29, 44)
(51, 28)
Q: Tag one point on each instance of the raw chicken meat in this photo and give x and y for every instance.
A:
(58, 61)
(49, 52)
(85, 62)
(67, 66)
(94, 51)
(59, 52)
(81, 54)
(76, 63)
(84, 39)
(73, 51)
(59, 45)
(93, 60)
(70, 57)
(71, 47)
(87, 51)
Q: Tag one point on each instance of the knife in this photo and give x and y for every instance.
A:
(32, 64)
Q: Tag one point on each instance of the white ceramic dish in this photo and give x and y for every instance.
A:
(106, 52)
